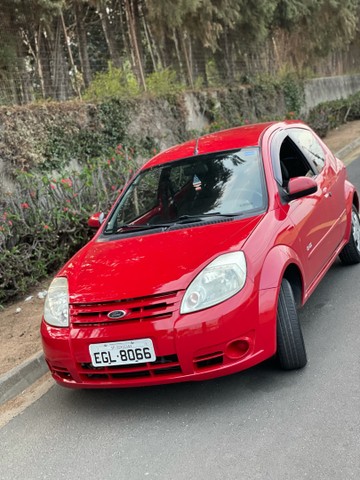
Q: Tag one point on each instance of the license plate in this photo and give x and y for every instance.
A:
(122, 353)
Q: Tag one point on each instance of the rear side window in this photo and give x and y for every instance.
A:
(310, 146)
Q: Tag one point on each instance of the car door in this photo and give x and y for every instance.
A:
(314, 216)
(330, 181)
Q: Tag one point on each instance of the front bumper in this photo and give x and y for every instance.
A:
(218, 341)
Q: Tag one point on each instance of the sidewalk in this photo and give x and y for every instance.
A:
(343, 141)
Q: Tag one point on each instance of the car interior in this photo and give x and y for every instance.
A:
(292, 162)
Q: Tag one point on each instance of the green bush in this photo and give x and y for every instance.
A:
(71, 143)
(163, 83)
(329, 115)
(44, 221)
(294, 93)
(114, 83)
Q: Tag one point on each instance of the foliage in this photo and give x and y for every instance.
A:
(71, 143)
(43, 222)
(164, 83)
(328, 115)
(114, 83)
(294, 93)
(59, 49)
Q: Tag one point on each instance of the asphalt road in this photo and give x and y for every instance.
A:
(260, 424)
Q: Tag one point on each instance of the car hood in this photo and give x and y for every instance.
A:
(153, 263)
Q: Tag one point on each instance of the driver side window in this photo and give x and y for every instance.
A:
(292, 162)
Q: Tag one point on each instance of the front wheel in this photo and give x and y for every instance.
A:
(291, 351)
(350, 254)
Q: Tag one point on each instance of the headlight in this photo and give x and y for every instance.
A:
(221, 279)
(56, 308)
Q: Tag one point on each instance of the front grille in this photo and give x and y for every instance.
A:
(209, 361)
(154, 307)
(61, 372)
(166, 365)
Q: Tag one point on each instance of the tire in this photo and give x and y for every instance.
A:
(350, 254)
(291, 352)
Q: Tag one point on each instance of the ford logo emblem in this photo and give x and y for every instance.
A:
(116, 314)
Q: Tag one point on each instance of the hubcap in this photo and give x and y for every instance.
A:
(356, 230)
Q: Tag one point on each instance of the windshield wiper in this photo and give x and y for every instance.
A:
(183, 219)
(146, 226)
(200, 216)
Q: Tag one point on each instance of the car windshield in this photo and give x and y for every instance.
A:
(225, 183)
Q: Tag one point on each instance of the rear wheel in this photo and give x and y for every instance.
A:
(350, 254)
(291, 351)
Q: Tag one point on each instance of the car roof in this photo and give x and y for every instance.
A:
(238, 137)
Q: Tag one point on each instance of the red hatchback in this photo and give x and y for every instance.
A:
(201, 264)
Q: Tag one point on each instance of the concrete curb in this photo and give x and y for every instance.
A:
(343, 152)
(21, 377)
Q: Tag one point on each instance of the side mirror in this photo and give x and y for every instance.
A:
(96, 220)
(300, 187)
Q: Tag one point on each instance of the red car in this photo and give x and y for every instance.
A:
(201, 264)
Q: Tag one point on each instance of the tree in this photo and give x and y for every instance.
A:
(80, 12)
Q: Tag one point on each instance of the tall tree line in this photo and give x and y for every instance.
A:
(53, 48)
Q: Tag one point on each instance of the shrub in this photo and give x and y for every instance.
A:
(328, 115)
(114, 83)
(44, 221)
(69, 142)
(163, 83)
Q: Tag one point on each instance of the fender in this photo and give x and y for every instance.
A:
(275, 264)
(272, 272)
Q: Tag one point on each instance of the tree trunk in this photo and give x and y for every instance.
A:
(71, 59)
(199, 56)
(129, 8)
(39, 68)
(187, 60)
(109, 35)
(44, 58)
(148, 39)
(82, 39)
(61, 81)
(224, 58)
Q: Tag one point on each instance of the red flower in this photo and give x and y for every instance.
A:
(52, 186)
(46, 227)
(24, 205)
(113, 188)
(66, 181)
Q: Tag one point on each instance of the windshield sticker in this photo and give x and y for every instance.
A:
(249, 153)
(196, 183)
